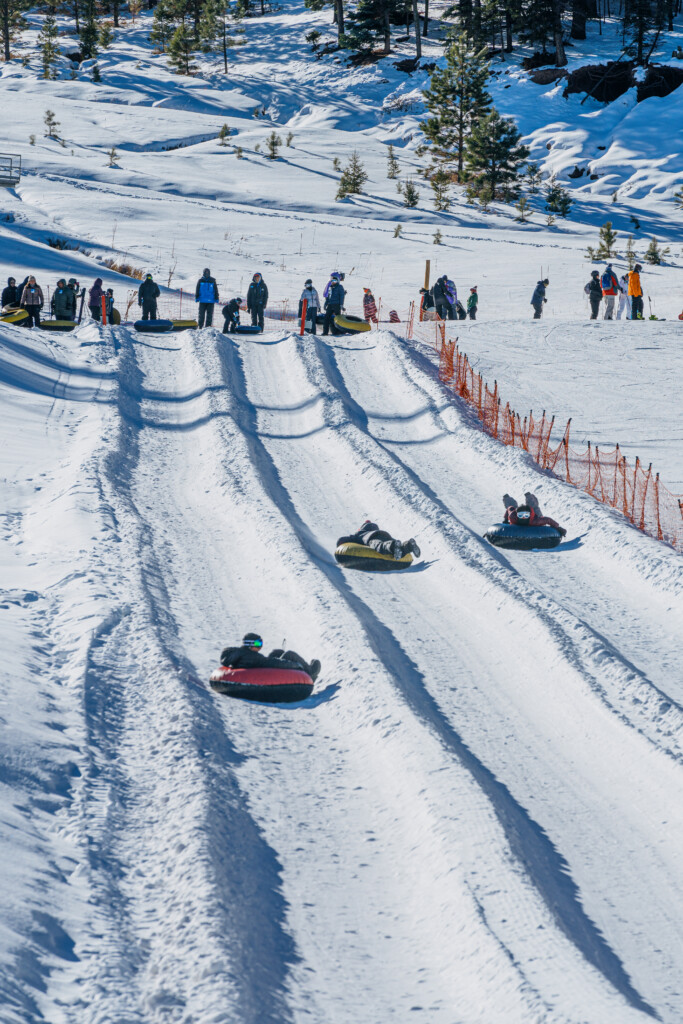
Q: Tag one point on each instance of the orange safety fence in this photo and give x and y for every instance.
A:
(635, 490)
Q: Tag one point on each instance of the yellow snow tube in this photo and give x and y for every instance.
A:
(58, 325)
(115, 318)
(184, 325)
(15, 316)
(357, 556)
(351, 323)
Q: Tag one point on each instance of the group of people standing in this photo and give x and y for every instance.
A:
(443, 299)
(63, 303)
(627, 289)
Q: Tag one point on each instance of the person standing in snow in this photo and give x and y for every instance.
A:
(369, 307)
(334, 303)
(148, 293)
(10, 294)
(472, 303)
(594, 292)
(32, 301)
(334, 276)
(95, 296)
(610, 290)
(310, 296)
(426, 303)
(452, 298)
(441, 299)
(109, 300)
(624, 301)
(63, 304)
(206, 294)
(231, 315)
(538, 298)
(257, 298)
(635, 292)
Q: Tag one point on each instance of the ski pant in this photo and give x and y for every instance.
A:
(472, 312)
(609, 307)
(636, 307)
(149, 309)
(205, 314)
(442, 310)
(296, 659)
(33, 316)
(624, 304)
(595, 306)
(333, 309)
(230, 324)
(537, 312)
(257, 316)
(312, 319)
(95, 312)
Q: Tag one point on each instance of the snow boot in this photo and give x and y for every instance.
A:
(531, 500)
(314, 669)
(508, 501)
(410, 547)
(396, 549)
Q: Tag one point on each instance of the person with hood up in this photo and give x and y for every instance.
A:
(257, 299)
(63, 304)
(109, 301)
(248, 655)
(231, 315)
(594, 292)
(441, 302)
(452, 298)
(528, 514)
(472, 303)
(148, 293)
(635, 293)
(206, 294)
(370, 536)
(624, 301)
(334, 302)
(426, 303)
(32, 301)
(95, 296)
(369, 307)
(538, 298)
(334, 276)
(310, 296)
(610, 290)
(10, 294)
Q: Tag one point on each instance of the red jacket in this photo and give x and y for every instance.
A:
(511, 517)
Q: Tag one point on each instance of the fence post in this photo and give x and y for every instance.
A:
(104, 311)
(304, 307)
(659, 525)
(180, 311)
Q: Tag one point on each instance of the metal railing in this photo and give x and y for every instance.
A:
(10, 170)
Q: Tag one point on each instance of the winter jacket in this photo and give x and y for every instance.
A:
(335, 296)
(32, 296)
(231, 309)
(310, 295)
(206, 290)
(635, 289)
(95, 295)
(539, 294)
(369, 307)
(368, 531)
(439, 293)
(473, 301)
(63, 304)
(594, 289)
(149, 289)
(10, 296)
(247, 657)
(257, 296)
(450, 291)
(427, 300)
(327, 287)
(609, 282)
(511, 517)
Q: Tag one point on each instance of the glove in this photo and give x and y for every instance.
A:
(563, 532)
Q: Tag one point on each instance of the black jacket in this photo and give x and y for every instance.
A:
(257, 296)
(247, 657)
(231, 309)
(10, 296)
(539, 294)
(63, 304)
(368, 531)
(594, 288)
(427, 301)
(148, 290)
(214, 289)
(335, 296)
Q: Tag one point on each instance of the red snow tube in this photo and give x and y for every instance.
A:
(269, 685)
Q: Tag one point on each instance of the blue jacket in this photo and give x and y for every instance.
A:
(335, 296)
(539, 294)
(206, 290)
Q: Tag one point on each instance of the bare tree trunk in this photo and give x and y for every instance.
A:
(339, 18)
(5, 27)
(78, 27)
(508, 30)
(561, 58)
(116, 13)
(416, 22)
(425, 23)
(387, 30)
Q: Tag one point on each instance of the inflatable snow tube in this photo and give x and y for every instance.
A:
(153, 326)
(352, 324)
(184, 325)
(114, 317)
(357, 556)
(13, 316)
(247, 329)
(522, 538)
(58, 325)
(268, 685)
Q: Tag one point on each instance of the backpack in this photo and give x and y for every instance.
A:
(607, 282)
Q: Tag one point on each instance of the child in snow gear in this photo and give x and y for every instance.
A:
(63, 304)
(370, 536)
(109, 301)
(231, 315)
(148, 293)
(334, 301)
(249, 656)
(95, 299)
(369, 307)
(257, 298)
(635, 291)
(310, 296)
(10, 294)
(538, 298)
(624, 301)
(472, 303)
(610, 289)
(206, 294)
(594, 292)
(32, 301)
(426, 303)
(528, 514)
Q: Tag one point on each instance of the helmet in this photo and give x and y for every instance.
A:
(525, 514)
(309, 282)
(252, 640)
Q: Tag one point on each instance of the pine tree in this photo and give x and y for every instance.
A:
(437, 237)
(441, 185)
(533, 178)
(397, 230)
(630, 252)
(457, 100)
(654, 254)
(318, 5)
(557, 199)
(678, 198)
(223, 134)
(411, 196)
(113, 156)
(47, 38)
(392, 163)
(164, 25)
(51, 125)
(89, 31)
(11, 21)
(209, 25)
(607, 239)
(371, 21)
(523, 209)
(273, 142)
(106, 36)
(180, 51)
(494, 154)
(353, 177)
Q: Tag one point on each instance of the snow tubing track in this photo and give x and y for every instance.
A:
(358, 556)
(522, 538)
(268, 685)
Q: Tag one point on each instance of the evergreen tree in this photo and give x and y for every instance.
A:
(392, 163)
(180, 51)
(397, 230)
(643, 22)
(223, 135)
(371, 21)
(441, 186)
(273, 142)
(557, 199)
(457, 100)
(494, 154)
(630, 253)
(210, 25)
(11, 21)
(353, 178)
(411, 196)
(47, 38)
(654, 254)
(533, 178)
(106, 36)
(437, 237)
(51, 125)
(89, 31)
(523, 210)
(678, 198)
(164, 25)
(608, 237)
